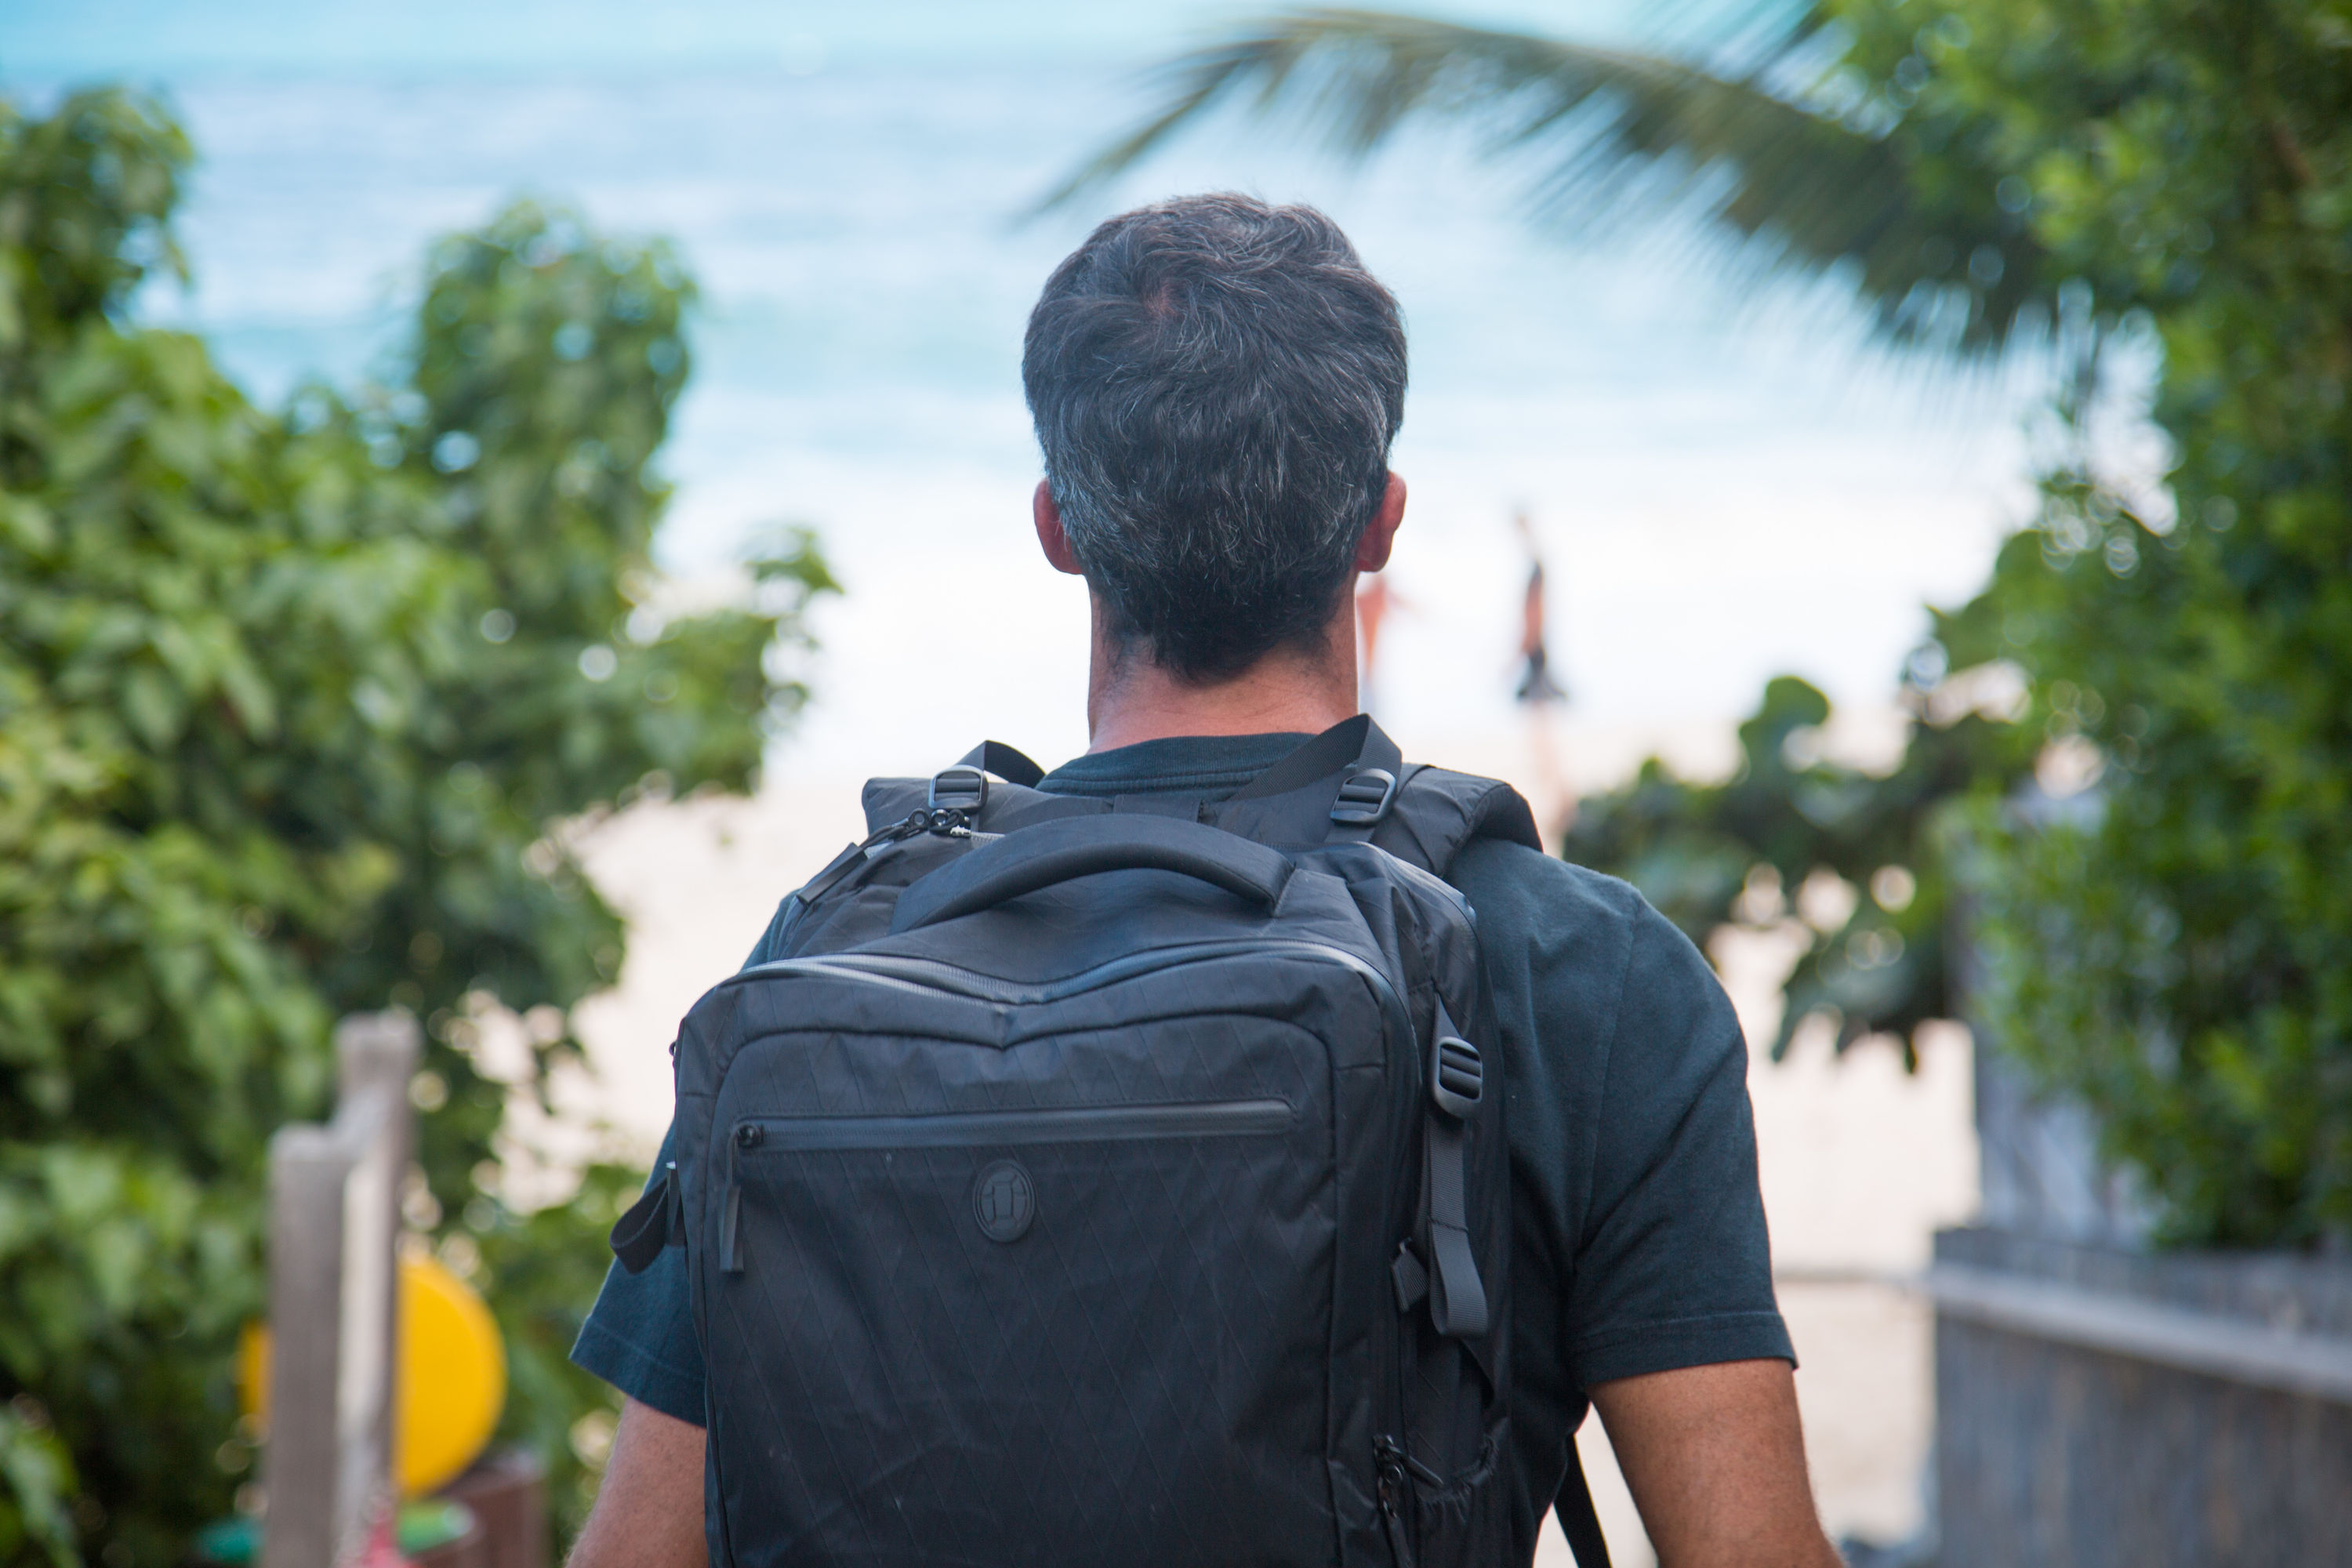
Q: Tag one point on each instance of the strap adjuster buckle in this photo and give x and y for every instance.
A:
(959, 788)
(1365, 798)
(1457, 1079)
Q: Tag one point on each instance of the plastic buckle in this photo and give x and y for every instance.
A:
(1365, 798)
(960, 788)
(1456, 1077)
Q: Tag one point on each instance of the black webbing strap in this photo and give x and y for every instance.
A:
(1578, 1521)
(1292, 802)
(1357, 742)
(1184, 807)
(654, 1221)
(996, 757)
(1458, 1300)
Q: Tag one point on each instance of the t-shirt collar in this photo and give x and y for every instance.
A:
(1211, 766)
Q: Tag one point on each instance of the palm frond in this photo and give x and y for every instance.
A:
(1801, 169)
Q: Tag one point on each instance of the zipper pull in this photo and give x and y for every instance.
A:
(854, 859)
(730, 1209)
(1393, 1494)
(950, 824)
(730, 1260)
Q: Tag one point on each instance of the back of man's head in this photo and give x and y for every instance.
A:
(1215, 383)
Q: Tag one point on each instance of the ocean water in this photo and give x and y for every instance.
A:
(1724, 488)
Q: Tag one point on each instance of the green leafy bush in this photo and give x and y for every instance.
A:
(34, 1522)
(2177, 959)
(1742, 851)
(2170, 949)
(547, 1266)
(293, 706)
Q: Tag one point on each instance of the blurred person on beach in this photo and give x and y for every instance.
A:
(1537, 687)
(1216, 384)
(1539, 690)
(1376, 601)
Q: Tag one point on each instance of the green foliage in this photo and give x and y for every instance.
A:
(548, 1266)
(38, 1479)
(1742, 851)
(86, 197)
(292, 709)
(2172, 172)
(2177, 961)
(1798, 163)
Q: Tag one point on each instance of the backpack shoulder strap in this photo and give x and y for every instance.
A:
(1350, 783)
(1436, 812)
(1579, 1520)
(1011, 766)
(1296, 803)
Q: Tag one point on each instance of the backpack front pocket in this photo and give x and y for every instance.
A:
(1046, 1333)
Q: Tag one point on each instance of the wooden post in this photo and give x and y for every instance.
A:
(508, 1493)
(333, 1293)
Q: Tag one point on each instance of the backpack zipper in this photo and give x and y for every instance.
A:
(1392, 1494)
(1040, 1124)
(936, 974)
(982, 1130)
(948, 822)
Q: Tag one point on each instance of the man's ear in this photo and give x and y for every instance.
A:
(1050, 537)
(1379, 534)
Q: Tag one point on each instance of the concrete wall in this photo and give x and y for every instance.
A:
(2097, 1407)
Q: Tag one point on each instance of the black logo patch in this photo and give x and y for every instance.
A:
(1004, 1201)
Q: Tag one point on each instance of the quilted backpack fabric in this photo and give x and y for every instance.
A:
(1115, 1182)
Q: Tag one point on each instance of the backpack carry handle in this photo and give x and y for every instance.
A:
(1058, 851)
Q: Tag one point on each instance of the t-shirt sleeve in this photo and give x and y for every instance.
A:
(639, 1336)
(1673, 1263)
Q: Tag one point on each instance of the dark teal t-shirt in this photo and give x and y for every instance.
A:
(1638, 1230)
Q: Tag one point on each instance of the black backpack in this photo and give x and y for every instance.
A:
(1111, 1181)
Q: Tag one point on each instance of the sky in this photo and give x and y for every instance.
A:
(1724, 491)
(52, 38)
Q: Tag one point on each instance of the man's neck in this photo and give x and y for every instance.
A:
(1130, 699)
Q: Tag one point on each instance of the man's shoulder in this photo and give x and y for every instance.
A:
(1507, 880)
(1578, 957)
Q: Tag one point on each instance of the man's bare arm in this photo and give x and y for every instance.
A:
(1716, 1459)
(1714, 1456)
(648, 1512)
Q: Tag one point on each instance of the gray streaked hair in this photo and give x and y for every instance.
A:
(1215, 383)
